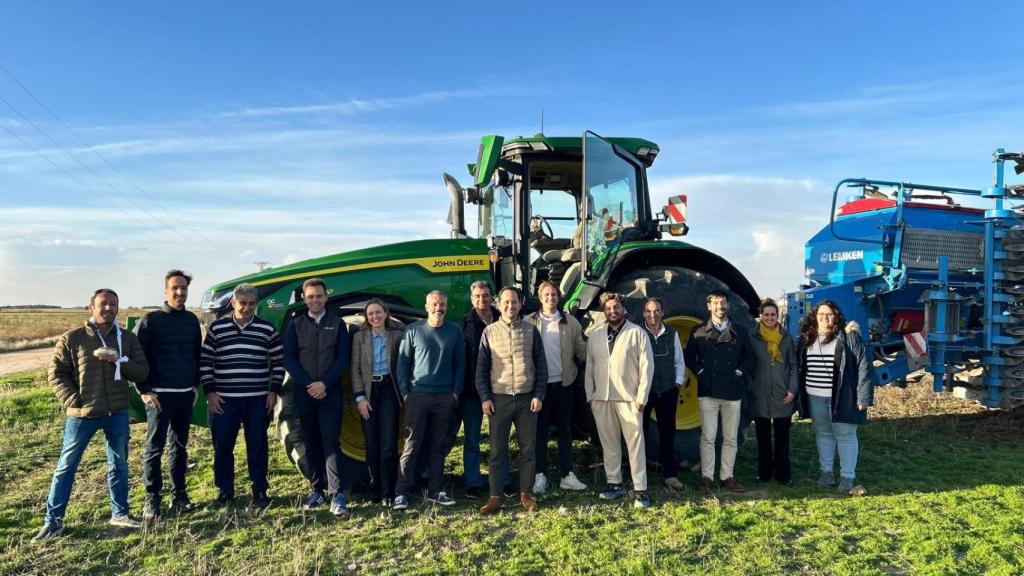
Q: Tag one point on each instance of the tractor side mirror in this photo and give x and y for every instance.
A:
(674, 215)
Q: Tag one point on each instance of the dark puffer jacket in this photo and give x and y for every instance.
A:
(172, 341)
(852, 381)
(85, 384)
(721, 360)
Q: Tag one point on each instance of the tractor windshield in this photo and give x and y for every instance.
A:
(495, 215)
(611, 200)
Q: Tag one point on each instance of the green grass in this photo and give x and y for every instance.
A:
(945, 496)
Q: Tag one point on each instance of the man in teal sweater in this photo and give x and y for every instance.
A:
(431, 369)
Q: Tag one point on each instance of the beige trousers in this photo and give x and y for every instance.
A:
(709, 410)
(617, 420)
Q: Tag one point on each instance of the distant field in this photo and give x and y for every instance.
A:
(24, 329)
(944, 481)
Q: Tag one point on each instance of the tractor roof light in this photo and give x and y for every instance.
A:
(646, 152)
(525, 146)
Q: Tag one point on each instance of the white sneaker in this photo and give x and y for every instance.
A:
(540, 483)
(570, 482)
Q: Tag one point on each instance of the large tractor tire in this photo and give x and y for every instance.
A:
(354, 472)
(289, 430)
(684, 295)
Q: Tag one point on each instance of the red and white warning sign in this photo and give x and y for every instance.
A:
(917, 348)
(677, 209)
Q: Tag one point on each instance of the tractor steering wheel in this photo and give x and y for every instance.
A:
(540, 225)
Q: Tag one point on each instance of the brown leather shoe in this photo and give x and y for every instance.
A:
(705, 484)
(527, 501)
(732, 485)
(491, 506)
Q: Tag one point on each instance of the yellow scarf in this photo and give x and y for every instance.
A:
(772, 337)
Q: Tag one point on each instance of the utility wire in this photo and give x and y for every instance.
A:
(107, 162)
(101, 178)
(217, 250)
(86, 186)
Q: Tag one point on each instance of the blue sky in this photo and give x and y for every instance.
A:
(258, 131)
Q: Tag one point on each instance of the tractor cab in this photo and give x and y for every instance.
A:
(558, 208)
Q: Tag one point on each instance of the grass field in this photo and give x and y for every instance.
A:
(24, 329)
(945, 495)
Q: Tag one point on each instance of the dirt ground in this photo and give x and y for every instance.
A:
(11, 362)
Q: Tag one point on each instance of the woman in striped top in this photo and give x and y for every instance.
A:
(835, 389)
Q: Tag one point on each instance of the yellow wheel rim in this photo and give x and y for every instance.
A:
(687, 411)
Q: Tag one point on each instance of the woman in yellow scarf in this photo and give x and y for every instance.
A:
(773, 391)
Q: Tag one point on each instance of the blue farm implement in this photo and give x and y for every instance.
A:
(932, 283)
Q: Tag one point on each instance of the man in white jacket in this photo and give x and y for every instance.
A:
(620, 368)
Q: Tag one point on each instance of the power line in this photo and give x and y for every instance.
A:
(84, 185)
(217, 250)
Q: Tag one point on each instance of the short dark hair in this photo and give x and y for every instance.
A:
(174, 273)
(717, 294)
(518, 292)
(103, 291)
(314, 282)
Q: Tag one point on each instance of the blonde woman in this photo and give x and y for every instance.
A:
(375, 388)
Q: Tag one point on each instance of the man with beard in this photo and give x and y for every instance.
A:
(620, 369)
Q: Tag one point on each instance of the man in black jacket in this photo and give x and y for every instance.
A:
(172, 340)
(719, 353)
(316, 354)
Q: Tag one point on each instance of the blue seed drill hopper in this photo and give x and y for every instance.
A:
(931, 283)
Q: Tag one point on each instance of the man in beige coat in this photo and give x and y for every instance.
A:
(620, 368)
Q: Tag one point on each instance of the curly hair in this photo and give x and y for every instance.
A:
(809, 325)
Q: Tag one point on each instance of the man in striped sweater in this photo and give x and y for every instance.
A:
(242, 371)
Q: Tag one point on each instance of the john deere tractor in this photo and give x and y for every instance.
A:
(573, 210)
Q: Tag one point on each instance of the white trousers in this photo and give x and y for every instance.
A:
(709, 411)
(615, 421)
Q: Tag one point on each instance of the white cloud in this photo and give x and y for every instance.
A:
(759, 224)
(361, 105)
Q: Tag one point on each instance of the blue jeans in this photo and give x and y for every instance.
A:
(829, 435)
(77, 434)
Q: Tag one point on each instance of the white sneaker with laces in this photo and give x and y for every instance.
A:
(570, 482)
(540, 483)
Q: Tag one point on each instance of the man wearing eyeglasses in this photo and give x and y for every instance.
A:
(620, 369)
(720, 354)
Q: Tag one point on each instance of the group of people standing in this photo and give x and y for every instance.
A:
(519, 371)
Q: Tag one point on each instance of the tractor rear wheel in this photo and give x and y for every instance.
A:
(684, 297)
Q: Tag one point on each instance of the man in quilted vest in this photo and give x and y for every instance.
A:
(511, 377)
(89, 373)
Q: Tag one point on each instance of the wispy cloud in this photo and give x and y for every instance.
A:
(361, 105)
(921, 96)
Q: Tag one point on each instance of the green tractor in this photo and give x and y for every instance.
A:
(572, 210)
